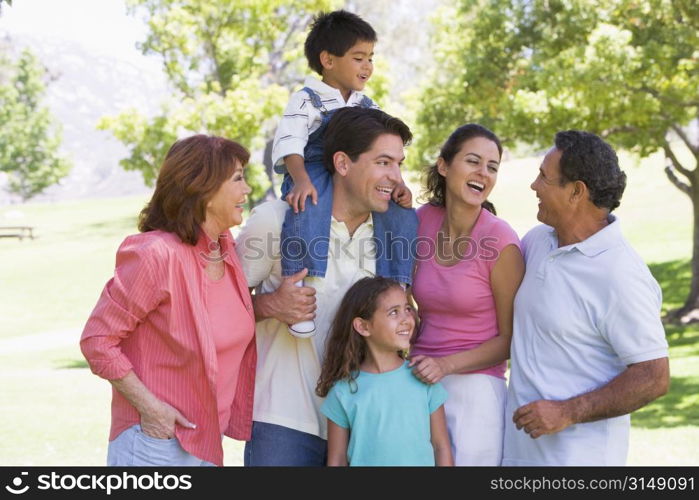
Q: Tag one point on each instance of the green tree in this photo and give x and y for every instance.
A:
(230, 65)
(625, 69)
(29, 137)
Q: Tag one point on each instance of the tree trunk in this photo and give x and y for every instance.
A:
(270, 194)
(269, 170)
(689, 312)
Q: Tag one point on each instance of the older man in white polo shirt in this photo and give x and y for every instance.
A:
(588, 346)
(364, 151)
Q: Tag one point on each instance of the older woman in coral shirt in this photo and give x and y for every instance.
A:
(464, 285)
(174, 328)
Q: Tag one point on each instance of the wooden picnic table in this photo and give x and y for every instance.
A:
(20, 232)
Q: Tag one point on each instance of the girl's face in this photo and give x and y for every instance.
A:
(473, 171)
(392, 324)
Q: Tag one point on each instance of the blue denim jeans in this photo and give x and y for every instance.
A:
(274, 445)
(134, 448)
(306, 235)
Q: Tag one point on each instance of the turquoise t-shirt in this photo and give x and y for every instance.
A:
(388, 417)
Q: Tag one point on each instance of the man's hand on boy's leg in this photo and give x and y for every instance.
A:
(298, 194)
(402, 195)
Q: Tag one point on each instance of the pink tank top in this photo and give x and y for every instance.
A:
(226, 310)
(455, 303)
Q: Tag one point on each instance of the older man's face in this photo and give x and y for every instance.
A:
(553, 197)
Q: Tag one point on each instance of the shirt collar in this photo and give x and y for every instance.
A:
(325, 90)
(366, 225)
(602, 240)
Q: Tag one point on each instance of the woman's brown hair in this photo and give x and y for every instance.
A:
(346, 348)
(436, 184)
(193, 170)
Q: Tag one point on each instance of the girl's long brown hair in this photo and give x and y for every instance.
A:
(346, 348)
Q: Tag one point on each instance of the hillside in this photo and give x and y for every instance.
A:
(86, 87)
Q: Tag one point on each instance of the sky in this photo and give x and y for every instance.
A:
(102, 26)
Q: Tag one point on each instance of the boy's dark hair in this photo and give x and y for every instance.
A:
(587, 158)
(335, 32)
(353, 130)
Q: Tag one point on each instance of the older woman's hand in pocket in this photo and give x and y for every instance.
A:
(160, 419)
(429, 370)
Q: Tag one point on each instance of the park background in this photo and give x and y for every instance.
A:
(438, 64)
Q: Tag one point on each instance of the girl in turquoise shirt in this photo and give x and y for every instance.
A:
(378, 412)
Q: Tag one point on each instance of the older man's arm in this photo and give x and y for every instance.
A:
(637, 386)
(288, 303)
(258, 247)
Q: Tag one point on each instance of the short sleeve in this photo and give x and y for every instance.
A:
(506, 235)
(632, 325)
(291, 135)
(500, 236)
(257, 245)
(437, 395)
(333, 409)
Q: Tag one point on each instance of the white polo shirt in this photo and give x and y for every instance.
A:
(582, 314)
(288, 367)
(301, 118)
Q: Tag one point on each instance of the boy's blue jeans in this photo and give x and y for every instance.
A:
(306, 235)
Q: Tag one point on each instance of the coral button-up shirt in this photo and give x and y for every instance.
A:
(152, 318)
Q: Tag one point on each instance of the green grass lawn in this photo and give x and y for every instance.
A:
(52, 282)
(57, 412)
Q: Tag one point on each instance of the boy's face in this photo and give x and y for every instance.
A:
(351, 71)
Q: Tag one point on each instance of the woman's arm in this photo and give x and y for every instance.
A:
(127, 299)
(125, 302)
(158, 419)
(440, 438)
(505, 279)
(338, 439)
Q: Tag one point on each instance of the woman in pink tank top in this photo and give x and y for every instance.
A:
(469, 268)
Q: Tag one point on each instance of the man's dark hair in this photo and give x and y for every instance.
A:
(353, 131)
(587, 158)
(336, 32)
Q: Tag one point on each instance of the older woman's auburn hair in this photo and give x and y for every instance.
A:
(193, 170)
